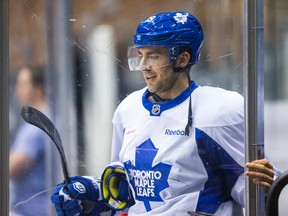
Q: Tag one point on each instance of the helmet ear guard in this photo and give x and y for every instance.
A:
(186, 63)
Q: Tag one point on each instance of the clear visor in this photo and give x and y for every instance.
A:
(136, 63)
(134, 60)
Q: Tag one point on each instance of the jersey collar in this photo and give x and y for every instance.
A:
(155, 109)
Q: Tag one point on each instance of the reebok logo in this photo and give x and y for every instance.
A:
(177, 132)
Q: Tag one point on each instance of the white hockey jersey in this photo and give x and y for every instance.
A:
(171, 173)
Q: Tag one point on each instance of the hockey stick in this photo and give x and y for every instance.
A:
(40, 120)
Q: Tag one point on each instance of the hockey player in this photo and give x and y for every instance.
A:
(177, 147)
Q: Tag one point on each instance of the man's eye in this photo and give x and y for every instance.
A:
(153, 56)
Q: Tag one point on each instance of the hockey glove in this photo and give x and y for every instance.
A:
(79, 197)
(115, 187)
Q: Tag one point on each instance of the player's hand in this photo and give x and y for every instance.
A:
(115, 188)
(261, 172)
(79, 197)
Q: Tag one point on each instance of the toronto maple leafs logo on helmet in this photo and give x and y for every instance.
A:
(150, 19)
(181, 18)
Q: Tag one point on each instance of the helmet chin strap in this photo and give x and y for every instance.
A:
(189, 122)
(154, 98)
(177, 69)
(186, 70)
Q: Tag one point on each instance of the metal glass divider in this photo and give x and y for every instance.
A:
(4, 119)
(253, 54)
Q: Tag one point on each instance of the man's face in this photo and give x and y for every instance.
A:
(157, 70)
(25, 90)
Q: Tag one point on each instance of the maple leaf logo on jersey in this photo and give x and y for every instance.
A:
(147, 180)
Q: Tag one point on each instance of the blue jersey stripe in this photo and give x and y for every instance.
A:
(220, 166)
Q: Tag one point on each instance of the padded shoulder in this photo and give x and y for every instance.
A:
(213, 106)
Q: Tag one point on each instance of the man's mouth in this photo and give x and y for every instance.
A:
(150, 77)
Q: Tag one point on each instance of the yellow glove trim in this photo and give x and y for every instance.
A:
(110, 186)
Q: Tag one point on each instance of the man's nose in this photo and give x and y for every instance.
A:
(144, 65)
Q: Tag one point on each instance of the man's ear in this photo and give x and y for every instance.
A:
(183, 60)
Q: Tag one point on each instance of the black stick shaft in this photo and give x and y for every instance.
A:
(40, 120)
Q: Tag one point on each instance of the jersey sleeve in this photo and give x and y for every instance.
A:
(117, 136)
(122, 113)
(220, 139)
(222, 153)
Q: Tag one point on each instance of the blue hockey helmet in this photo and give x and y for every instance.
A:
(173, 30)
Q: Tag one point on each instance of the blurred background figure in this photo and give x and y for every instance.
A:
(28, 174)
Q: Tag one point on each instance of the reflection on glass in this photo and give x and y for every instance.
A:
(28, 153)
(99, 75)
